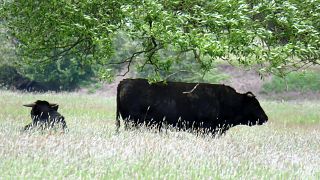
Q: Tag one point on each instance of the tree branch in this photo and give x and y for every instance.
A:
(155, 47)
(179, 71)
(62, 53)
(129, 61)
(194, 88)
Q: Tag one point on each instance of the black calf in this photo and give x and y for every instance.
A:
(45, 116)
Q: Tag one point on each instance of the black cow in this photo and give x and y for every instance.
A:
(45, 115)
(211, 108)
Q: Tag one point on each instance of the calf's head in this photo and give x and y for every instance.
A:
(41, 110)
(252, 111)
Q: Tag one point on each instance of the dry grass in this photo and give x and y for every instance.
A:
(278, 150)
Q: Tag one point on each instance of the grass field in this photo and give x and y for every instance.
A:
(288, 146)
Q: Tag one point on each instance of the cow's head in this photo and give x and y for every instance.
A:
(40, 109)
(252, 111)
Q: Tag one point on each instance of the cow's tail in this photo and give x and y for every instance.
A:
(117, 112)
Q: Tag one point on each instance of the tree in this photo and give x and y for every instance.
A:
(277, 35)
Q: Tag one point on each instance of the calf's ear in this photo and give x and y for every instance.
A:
(250, 94)
(54, 106)
(29, 105)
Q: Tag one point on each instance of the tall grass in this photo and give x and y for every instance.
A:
(283, 148)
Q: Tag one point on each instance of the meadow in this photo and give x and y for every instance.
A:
(287, 147)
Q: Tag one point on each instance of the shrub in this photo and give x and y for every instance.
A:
(307, 81)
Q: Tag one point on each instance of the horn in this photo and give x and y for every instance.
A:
(30, 105)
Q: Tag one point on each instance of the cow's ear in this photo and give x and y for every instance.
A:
(250, 94)
(54, 106)
(30, 105)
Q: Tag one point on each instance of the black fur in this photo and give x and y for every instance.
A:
(209, 107)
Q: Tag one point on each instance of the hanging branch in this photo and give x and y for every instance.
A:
(129, 61)
(66, 51)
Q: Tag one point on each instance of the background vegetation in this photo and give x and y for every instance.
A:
(307, 81)
(72, 42)
(64, 74)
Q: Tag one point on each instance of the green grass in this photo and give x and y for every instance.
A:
(308, 81)
(287, 147)
(293, 113)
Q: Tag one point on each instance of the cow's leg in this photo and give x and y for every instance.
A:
(219, 132)
(117, 118)
(126, 123)
(159, 126)
(166, 125)
(117, 125)
(179, 124)
(163, 122)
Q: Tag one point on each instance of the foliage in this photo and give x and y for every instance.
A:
(61, 74)
(275, 34)
(8, 75)
(7, 53)
(188, 71)
(307, 81)
(185, 69)
(48, 31)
